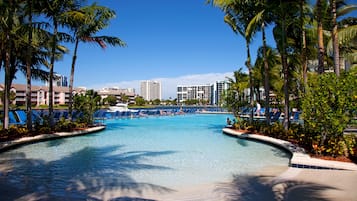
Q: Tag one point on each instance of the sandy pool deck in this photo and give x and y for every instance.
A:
(275, 183)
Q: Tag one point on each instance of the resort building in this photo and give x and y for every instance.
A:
(40, 94)
(150, 90)
(218, 90)
(117, 92)
(194, 92)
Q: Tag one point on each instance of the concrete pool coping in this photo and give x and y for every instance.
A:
(299, 158)
(4, 146)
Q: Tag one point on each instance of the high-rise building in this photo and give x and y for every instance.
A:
(58, 81)
(218, 90)
(194, 92)
(150, 90)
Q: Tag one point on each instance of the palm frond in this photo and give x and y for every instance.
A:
(341, 11)
(254, 24)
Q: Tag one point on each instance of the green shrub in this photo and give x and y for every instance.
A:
(328, 107)
(64, 125)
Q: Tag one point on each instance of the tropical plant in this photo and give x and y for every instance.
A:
(328, 107)
(57, 12)
(110, 100)
(139, 100)
(85, 23)
(87, 104)
(235, 96)
(238, 15)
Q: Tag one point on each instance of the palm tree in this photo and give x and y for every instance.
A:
(28, 68)
(319, 17)
(263, 17)
(338, 9)
(55, 10)
(336, 53)
(347, 34)
(8, 21)
(238, 16)
(94, 18)
(235, 97)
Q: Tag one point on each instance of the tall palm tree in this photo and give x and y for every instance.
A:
(336, 52)
(263, 17)
(319, 18)
(238, 16)
(338, 8)
(55, 10)
(28, 68)
(9, 20)
(94, 19)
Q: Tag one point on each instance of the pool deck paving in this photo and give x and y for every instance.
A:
(44, 137)
(299, 158)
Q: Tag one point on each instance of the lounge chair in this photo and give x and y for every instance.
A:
(275, 116)
(14, 119)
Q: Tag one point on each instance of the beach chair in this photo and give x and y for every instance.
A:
(14, 119)
(22, 116)
(275, 117)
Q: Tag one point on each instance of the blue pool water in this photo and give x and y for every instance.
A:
(166, 153)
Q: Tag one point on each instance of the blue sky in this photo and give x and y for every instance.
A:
(172, 41)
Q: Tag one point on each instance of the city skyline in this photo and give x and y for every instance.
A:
(193, 41)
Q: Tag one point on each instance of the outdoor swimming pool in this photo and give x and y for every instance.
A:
(161, 154)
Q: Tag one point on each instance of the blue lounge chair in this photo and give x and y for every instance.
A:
(14, 119)
(275, 116)
(21, 114)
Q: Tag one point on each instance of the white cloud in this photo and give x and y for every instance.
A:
(169, 84)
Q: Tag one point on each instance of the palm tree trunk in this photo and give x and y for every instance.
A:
(266, 79)
(285, 70)
(50, 90)
(336, 52)
(249, 66)
(7, 84)
(320, 38)
(70, 104)
(28, 71)
(303, 49)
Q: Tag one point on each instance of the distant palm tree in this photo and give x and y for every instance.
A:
(90, 20)
(235, 97)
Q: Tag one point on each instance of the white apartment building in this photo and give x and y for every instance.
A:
(40, 95)
(150, 90)
(218, 90)
(194, 92)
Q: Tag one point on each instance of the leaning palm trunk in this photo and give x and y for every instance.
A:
(336, 53)
(70, 104)
(28, 71)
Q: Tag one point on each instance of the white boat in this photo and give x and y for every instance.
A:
(120, 107)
